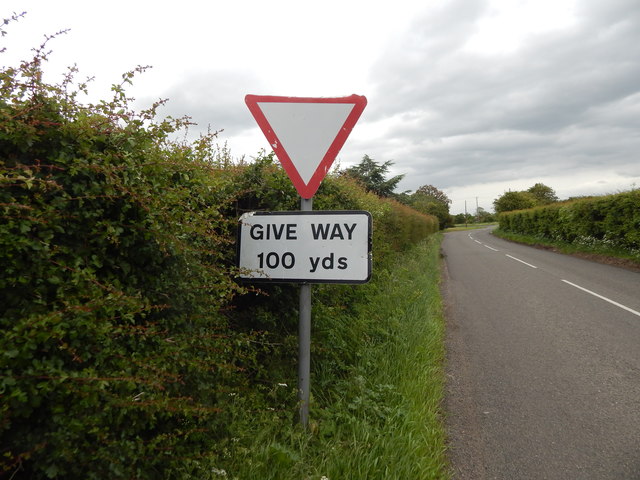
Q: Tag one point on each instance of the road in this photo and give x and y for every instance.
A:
(543, 363)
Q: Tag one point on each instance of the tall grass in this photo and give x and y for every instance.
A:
(382, 420)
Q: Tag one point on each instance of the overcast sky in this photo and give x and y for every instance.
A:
(475, 97)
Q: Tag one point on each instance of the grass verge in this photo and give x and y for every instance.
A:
(593, 251)
(382, 420)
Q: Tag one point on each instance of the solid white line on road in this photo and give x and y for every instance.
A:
(491, 248)
(522, 261)
(478, 242)
(604, 298)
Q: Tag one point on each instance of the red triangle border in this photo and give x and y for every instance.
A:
(306, 190)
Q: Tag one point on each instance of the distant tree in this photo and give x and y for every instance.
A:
(463, 218)
(482, 216)
(514, 201)
(373, 176)
(433, 192)
(437, 209)
(539, 194)
(403, 197)
(429, 199)
(544, 194)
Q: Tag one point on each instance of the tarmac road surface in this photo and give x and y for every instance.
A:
(543, 363)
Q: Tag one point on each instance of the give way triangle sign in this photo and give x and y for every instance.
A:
(306, 133)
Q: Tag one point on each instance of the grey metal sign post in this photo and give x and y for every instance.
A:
(304, 340)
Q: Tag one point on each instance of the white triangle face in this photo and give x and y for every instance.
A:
(306, 130)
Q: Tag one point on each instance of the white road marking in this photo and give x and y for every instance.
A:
(522, 261)
(478, 242)
(491, 248)
(603, 298)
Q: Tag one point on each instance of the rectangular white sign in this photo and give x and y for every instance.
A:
(305, 247)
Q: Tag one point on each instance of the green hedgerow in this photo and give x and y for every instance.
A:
(116, 263)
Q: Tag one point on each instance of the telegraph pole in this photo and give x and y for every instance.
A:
(465, 214)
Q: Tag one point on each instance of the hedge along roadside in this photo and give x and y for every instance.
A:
(113, 253)
(128, 349)
(611, 221)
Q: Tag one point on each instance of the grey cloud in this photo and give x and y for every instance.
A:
(215, 99)
(565, 100)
